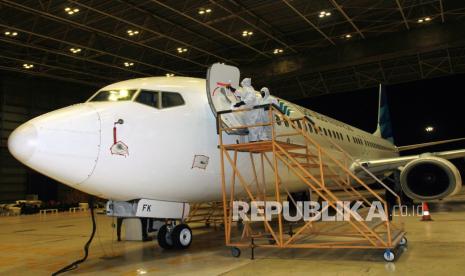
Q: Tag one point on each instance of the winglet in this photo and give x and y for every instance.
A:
(384, 128)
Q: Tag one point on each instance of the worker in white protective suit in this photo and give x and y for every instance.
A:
(264, 116)
(248, 100)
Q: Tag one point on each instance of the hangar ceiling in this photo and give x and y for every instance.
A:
(299, 48)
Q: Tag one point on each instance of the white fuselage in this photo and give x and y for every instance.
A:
(72, 145)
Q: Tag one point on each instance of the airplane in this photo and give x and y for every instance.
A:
(150, 146)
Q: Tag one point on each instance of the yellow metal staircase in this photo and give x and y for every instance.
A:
(294, 151)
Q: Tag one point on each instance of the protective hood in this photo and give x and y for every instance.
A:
(265, 93)
(246, 82)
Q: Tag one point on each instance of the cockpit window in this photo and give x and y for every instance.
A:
(114, 95)
(150, 98)
(171, 99)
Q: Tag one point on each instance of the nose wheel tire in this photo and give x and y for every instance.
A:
(181, 236)
(164, 237)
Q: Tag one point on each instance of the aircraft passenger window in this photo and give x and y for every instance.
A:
(348, 138)
(299, 125)
(320, 131)
(170, 99)
(326, 133)
(277, 119)
(148, 98)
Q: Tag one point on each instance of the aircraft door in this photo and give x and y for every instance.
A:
(220, 98)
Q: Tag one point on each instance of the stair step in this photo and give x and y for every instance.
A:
(317, 176)
(301, 155)
(310, 165)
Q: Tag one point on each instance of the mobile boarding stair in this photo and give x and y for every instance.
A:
(325, 171)
(293, 160)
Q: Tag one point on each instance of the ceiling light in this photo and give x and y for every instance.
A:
(169, 75)
(28, 66)
(11, 33)
(204, 11)
(246, 33)
(132, 32)
(71, 11)
(181, 50)
(423, 20)
(75, 50)
(277, 51)
(348, 36)
(429, 129)
(324, 14)
(128, 64)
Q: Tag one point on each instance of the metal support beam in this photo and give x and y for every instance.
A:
(401, 10)
(17, 43)
(92, 76)
(339, 8)
(170, 22)
(94, 30)
(441, 7)
(148, 30)
(308, 21)
(160, 3)
(255, 26)
(361, 52)
(40, 74)
(85, 47)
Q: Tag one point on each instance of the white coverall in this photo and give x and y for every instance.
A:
(248, 96)
(264, 116)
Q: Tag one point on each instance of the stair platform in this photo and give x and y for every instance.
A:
(262, 146)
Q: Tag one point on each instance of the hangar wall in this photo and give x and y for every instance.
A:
(22, 98)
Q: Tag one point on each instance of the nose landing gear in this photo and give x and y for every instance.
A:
(174, 236)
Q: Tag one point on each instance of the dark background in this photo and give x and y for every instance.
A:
(413, 106)
(23, 97)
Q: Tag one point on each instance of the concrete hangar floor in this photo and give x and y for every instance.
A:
(40, 245)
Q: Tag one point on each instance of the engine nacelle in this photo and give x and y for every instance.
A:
(430, 177)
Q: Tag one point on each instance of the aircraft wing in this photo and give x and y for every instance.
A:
(390, 164)
(417, 146)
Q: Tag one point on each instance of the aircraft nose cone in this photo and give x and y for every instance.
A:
(62, 144)
(22, 142)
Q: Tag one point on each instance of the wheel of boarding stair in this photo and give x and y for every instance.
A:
(164, 237)
(181, 236)
(403, 241)
(389, 255)
(235, 252)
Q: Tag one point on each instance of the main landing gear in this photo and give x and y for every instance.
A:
(174, 236)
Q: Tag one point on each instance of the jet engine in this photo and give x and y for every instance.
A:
(430, 177)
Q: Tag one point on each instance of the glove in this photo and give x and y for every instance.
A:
(232, 89)
(239, 104)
